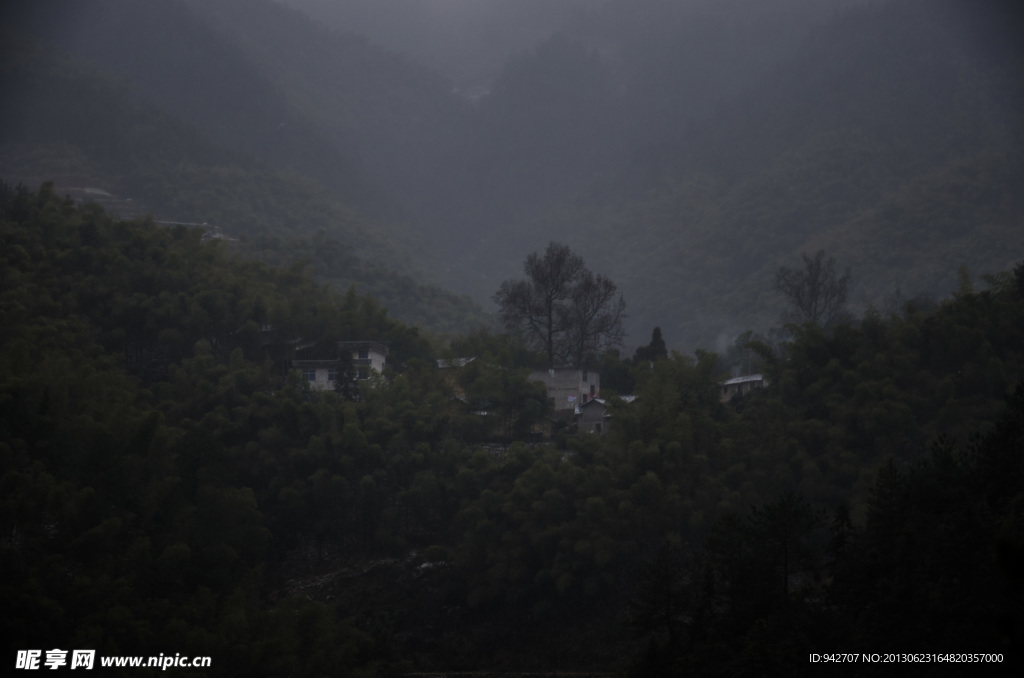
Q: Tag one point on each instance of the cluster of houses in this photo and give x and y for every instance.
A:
(574, 393)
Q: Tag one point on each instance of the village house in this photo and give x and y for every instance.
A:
(593, 416)
(322, 373)
(568, 386)
(281, 349)
(450, 371)
(741, 386)
(366, 356)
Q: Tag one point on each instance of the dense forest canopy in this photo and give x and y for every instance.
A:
(154, 448)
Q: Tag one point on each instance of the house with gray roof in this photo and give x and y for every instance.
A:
(741, 386)
(594, 416)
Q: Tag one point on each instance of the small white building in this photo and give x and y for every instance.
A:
(569, 386)
(593, 416)
(322, 374)
(741, 386)
(366, 356)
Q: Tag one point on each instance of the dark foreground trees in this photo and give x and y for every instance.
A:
(561, 308)
(213, 508)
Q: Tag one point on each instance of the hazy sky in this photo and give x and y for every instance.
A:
(467, 40)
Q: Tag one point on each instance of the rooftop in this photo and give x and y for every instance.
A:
(744, 379)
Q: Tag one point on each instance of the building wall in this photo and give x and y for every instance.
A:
(569, 387)
(565, 398)
(322, 380)
(592, 419)
(743, 388)
(322, 383)
(374, 360)
(321, 373)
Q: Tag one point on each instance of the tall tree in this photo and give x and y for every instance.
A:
(593, 321)
(817, 292)
(561, 308)
(652, 351)
(533, 306)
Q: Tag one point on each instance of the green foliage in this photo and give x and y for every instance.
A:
(142, 417)
(654, 350)
(65, 119)
(616, 377)
(660, 604)
(152, 446)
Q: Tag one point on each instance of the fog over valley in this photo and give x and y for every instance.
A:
(685, 149)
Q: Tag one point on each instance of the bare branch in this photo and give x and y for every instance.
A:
(593, 319)
(817, 294)
(561, 308)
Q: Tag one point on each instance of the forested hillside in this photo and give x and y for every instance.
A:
(64, 122)
(904, 112)
(467, 41)
(691, 148)
(167, 488)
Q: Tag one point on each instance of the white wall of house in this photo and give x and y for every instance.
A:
(320, 377)
(370, 358)
(569, 387)
(322, 373)
(366, 356)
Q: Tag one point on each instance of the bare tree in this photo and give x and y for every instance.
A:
(593, 322)
(817, 293)
(561, 308)
(532, 306)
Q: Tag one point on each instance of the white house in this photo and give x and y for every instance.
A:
(569, 386)
(322, 374)
(366, 356)
(593, 416)
(741, 385)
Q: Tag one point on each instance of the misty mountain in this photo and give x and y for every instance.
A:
(396, 117)
(179, 63)
(260, 79)
(879, 103)
(467, 41)
(686, 149)
(619, 81)
(674, 63)
(64, 121)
